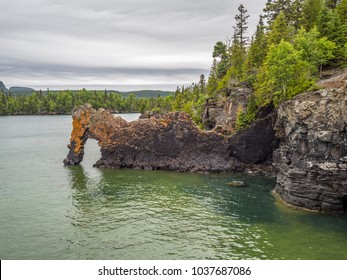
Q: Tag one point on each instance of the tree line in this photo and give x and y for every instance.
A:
(62, 102)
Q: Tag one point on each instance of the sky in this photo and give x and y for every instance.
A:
(113, 44)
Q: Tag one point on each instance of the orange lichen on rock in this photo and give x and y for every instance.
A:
(80, 124)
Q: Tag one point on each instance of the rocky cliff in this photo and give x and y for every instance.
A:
(169, 142)
(220, 113)
(312, 158)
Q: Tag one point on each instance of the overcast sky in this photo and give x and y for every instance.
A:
(93, 43)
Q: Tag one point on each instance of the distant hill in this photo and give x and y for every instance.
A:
(138, 93)
(16, 90)
(21, 90)
(3, 87)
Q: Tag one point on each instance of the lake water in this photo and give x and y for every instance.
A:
(49, 211)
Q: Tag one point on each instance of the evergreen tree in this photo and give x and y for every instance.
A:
(221, 58)
(280, 29)
(256, 54)
(331, 4)
(311, 13)
(332, 26)
(273, 9)
(342, 11)
(295, 14)
(202, 83)
(241, 27)
(212, 83)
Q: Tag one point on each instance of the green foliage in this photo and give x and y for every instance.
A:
(345, 51)
(241, 27)
(334, 28)
(191, 100)
(331, 3)
(256, 54)
(313, 50)
(274, 7)
(234, 74)
(280, 30)
(342, 10)
(285, 58)
(283, 75)
(220, 60)
(245, 118)
(62, 102)
(311, 13)
(295, 14)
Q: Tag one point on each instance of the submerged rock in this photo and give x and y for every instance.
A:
(236, 184)
(312, 158)
(169, 142)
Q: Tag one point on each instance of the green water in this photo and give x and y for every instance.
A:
(49, 211)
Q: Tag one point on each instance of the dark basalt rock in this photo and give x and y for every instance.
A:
(256, 143)
(168, 142)
(312, 158)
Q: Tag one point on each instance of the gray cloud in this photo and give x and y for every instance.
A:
(136, 41)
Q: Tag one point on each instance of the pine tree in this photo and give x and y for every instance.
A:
(280, 29)
(273, 9)
(256, 54)
(331, 3)
(258, 48)
(241, 26)
(295, 14)
(202, 83)
(212, 83)
(342, 11)
(234, 72)
(335, 29)
(221, 57)
(312, 10)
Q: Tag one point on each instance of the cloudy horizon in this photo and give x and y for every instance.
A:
(113, 43)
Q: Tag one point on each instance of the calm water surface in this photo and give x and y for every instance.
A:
(49, 211)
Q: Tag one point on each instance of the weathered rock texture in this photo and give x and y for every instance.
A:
(221, 114)
(312, 157)
(169, 142)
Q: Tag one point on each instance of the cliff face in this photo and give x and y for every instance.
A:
(169, 142)
(221, 114)
(312, 157)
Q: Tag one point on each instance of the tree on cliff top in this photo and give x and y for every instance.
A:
(274, 7)
(314, 50)
(241, 27)
(311, 13)
(283, 75)
(280, 30)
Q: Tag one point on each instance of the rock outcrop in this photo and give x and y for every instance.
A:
(312, 157)
(221, 114)
(168, 142)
